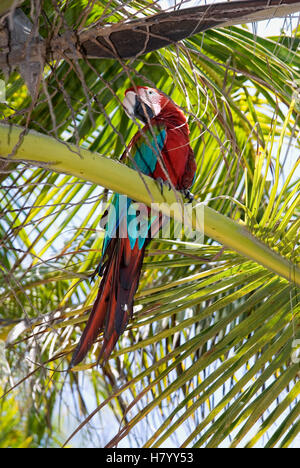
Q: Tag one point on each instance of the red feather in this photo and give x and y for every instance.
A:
(177, 154)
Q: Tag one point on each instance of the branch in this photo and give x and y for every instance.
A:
(39, 150)
(21, 46)
(133, 38)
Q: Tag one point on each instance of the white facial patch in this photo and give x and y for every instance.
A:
(129, 103)
(152, 98)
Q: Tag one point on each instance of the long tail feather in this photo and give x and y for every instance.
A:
(114, 304)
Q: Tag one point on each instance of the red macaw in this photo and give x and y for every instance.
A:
(161, 149)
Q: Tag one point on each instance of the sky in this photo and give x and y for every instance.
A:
(262, 28)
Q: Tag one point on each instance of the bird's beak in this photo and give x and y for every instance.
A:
(137, 108)
(142, 111)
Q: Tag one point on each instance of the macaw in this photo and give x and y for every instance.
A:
(161, 150)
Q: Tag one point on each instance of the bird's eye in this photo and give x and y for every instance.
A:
(150, 92)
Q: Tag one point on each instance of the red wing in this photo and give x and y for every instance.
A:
(189, 172)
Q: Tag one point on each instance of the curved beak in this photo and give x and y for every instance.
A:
(137, 108)
(142, 111)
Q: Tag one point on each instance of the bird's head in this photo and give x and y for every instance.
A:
(143, 103)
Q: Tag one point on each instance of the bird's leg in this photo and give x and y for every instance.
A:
(163, 183)
(187, 195)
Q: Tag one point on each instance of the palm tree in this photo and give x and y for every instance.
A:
(210, 356)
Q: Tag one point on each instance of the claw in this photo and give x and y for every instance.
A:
(163, 183)
(187, 195)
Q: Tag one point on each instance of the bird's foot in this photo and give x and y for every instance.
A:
(187, 195)
(163, 183)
